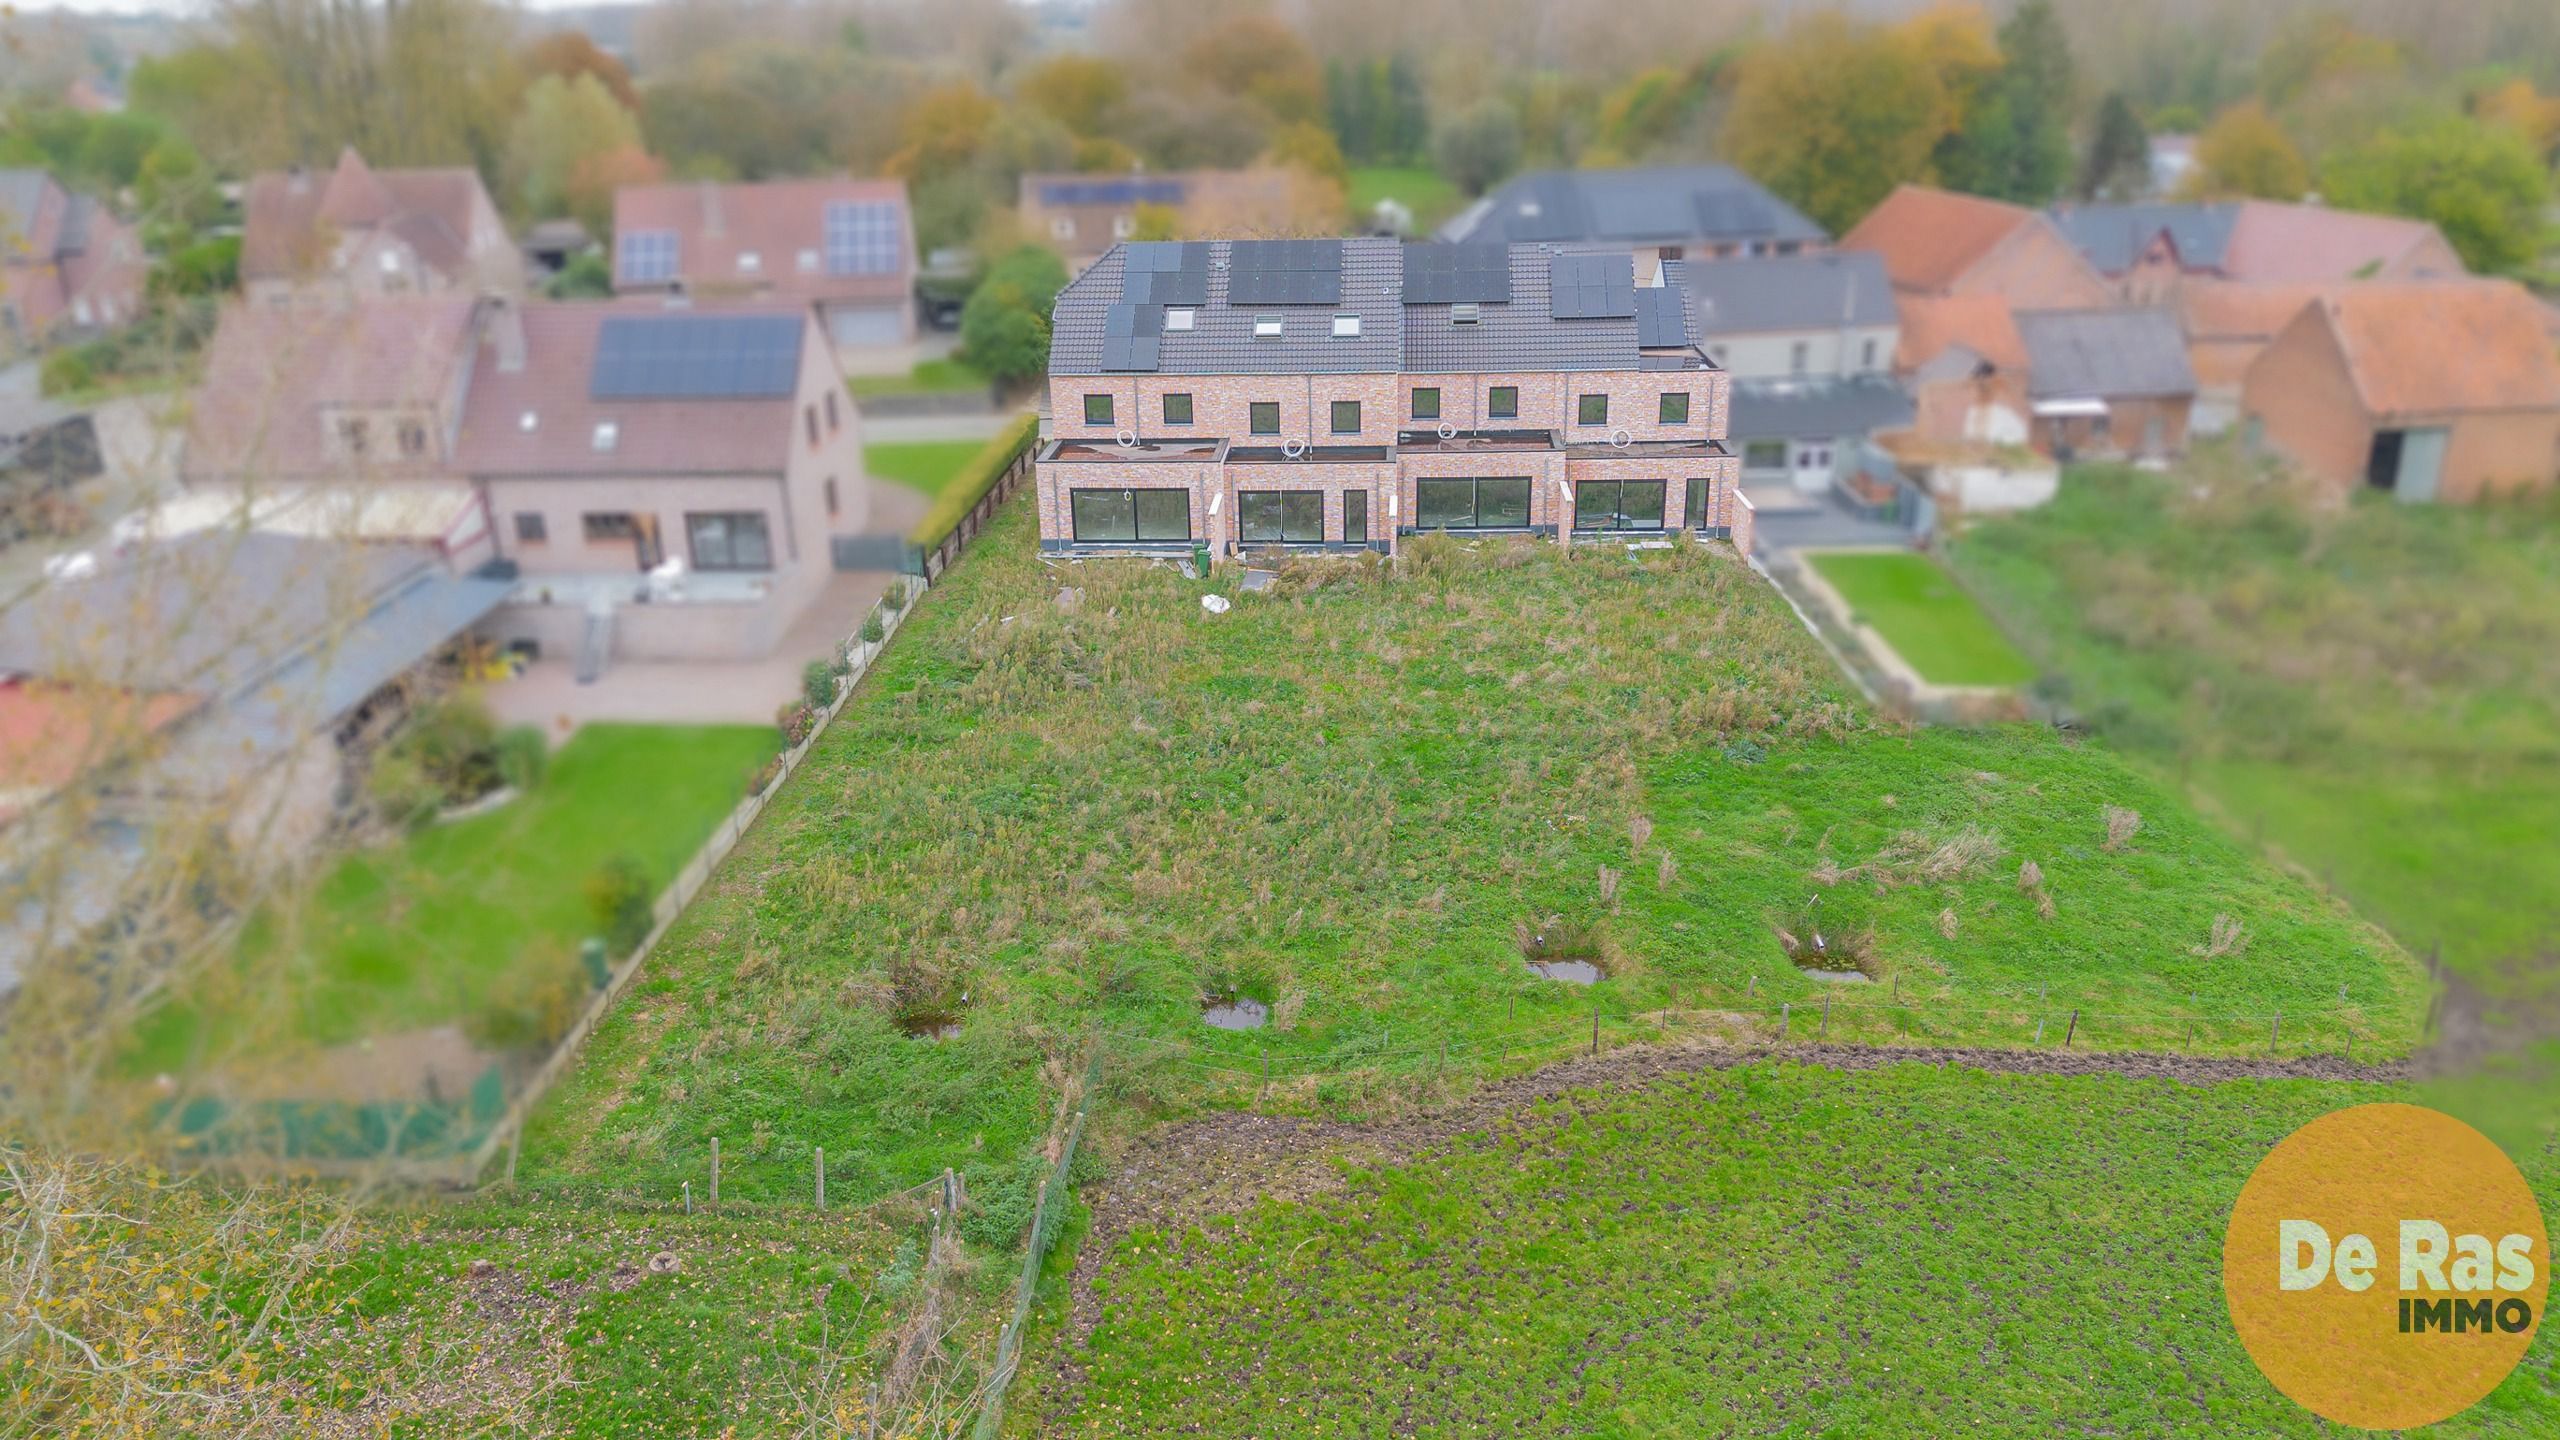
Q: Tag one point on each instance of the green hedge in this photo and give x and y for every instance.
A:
(974, 480)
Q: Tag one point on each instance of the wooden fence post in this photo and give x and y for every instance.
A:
(2071, 1030)
(715, 1172)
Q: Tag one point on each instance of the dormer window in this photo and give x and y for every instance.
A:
(1346, 327)
(608, 434)
(1177, 321)
(390, 262)
(1465, 312)
(528, 422)
(750, 262)
(1266, 327)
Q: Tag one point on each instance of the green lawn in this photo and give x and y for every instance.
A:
(420, 932)
(920, 465)
(1419, 188)
(1350, 799)
(941, 375)
(1771, 1250)
(1924, 616)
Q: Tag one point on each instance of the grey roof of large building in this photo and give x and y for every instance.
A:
(1822, 291)
(1652, 206)
(2112, 237)
(2104, 354)
(1094, 315)
(1816, 409)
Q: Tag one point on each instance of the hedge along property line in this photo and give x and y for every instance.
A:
(679, 893)
(963, 507)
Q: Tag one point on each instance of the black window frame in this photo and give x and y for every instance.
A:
(1582, 406)
(608, 527)
(1292, 508)
(1254, 410)
(1694, 504)
(1617, 515)
(1334, 417)
(1665, 417)
(1502, 402)
(1076, 514)
(741, 522)
(1475, 484)
(1108, 408)
(1418, 392)
(1355, 517)
(1185, 417)
(532, 528)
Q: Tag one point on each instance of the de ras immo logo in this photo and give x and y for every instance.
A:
(2386, 1266)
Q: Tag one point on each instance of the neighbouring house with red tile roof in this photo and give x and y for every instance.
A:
(2227, 323)
(2149, 251)
(2426, 390)
(666, 482)
(68, 266)
(844, 245)
(1083, 215)
(1963, 361)
(1941, 243)
(360, 232)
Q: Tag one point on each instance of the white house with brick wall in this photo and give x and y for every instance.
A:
(1339, 395)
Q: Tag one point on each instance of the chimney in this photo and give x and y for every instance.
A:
(714, 224)
(506, 333)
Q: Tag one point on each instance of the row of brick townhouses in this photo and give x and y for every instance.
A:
(1348, 394)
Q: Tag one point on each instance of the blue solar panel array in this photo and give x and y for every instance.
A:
(862, 237)
(1112, 192)
(1591, 287)
(696, 357)
(648, 256)
(1166, 272)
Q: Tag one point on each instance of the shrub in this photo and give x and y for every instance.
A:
(818, 684)
(618, 896)
(454, 740)
(524, 756)
(873, 632)
(893, 599)
(401, 790)
(794, 720)
(67, 371)
(531, 1009)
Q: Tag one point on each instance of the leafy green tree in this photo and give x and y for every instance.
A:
(1004, 327)
(2015, 143)
(1478, 145)
(2118, 165)
(2245, 152)
(202, 268)
(585, 277)
(2481, 185)
(1832, 115)
(565, 128)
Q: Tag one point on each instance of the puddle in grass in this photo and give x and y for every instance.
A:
(930, 1025)
(1836, 977)
(1571, 972)
(1235, 1012)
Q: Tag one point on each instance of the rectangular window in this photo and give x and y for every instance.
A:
(1502, 402)
(1280, 517)
(1097, 409)
(1618, 504)
(1346, 417)
(729, 540)
(413, 439)
(1131, 516)
(835, 422)
(1265, 415)
(1797, 356)
(1426, 402)
(1764, 454)
(1500, 503)
(810, 414)
(1355, 517)
(531, 528)
(1346, 327)
(606, 525)
(831, 495)
(1594, 410)
(1177, 409)
(352, 435)
(1675, 407)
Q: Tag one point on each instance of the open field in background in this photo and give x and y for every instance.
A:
(943, 374)
(1774, 1249)
(1353, 800)
(421, 931)
(1419, 188)
(924, 466)
(1925, 616)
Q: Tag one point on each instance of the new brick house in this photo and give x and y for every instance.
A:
(844, 245)
(1346, 394)
(358, 232)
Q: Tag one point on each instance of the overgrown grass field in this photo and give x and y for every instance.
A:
(1069, 802)
(1924, 616)
(1775, 1249)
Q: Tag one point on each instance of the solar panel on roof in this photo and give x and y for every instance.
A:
(1659, 319)
(1125, 353)
(696, 357)
(1478, 272)
(1165, 272)
(1591, 287)
(1285, 272)
(648, 257)
(862, 237)
(1733, 212)
(1130, 318)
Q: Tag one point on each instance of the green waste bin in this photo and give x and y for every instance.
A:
(598, 972)
(1200, 560)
